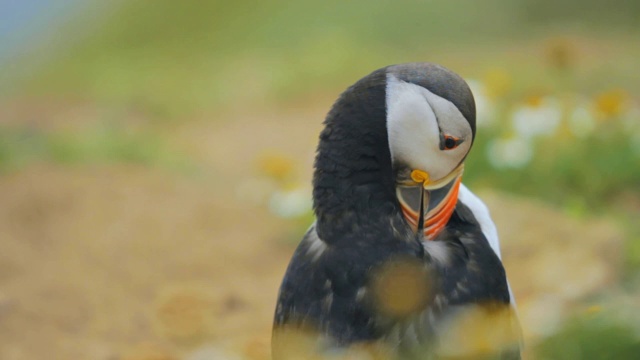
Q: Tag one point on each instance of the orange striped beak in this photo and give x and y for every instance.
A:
(428, 206)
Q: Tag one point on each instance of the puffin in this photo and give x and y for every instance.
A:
(403, 261)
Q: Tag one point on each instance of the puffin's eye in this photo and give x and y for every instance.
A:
(449, 142)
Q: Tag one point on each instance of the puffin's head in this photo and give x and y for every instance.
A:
(430, 121)
(399, 134)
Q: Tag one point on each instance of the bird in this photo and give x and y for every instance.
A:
(403, 261)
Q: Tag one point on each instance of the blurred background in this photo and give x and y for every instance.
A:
(156, 156)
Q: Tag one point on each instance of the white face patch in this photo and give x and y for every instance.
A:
(416, 117)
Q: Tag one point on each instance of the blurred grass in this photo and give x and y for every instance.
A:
(175, 59)
(591, 337)
(102, 145)
(587, 175)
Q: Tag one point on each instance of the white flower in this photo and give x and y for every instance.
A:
(510, 153)
(533, 120)
(582, 122)
(485, 110)
(290, 203)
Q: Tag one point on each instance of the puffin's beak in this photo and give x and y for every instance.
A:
(427, 206)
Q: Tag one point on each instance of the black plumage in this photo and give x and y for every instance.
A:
(329, 287)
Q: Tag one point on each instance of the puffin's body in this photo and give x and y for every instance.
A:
(403, 261)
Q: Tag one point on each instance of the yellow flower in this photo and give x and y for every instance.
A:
(498, 82)
(485, 328)
(611, 103)
(276, 165)
(594, 309)
(401, 287)
(534, 100)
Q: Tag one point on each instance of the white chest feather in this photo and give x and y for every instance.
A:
(481, 213)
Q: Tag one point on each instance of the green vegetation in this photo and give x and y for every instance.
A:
(21, 146)
(174, 59)
(592, 337)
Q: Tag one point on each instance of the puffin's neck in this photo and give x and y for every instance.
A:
(353, 181)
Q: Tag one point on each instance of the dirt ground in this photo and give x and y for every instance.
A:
(131, 262)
